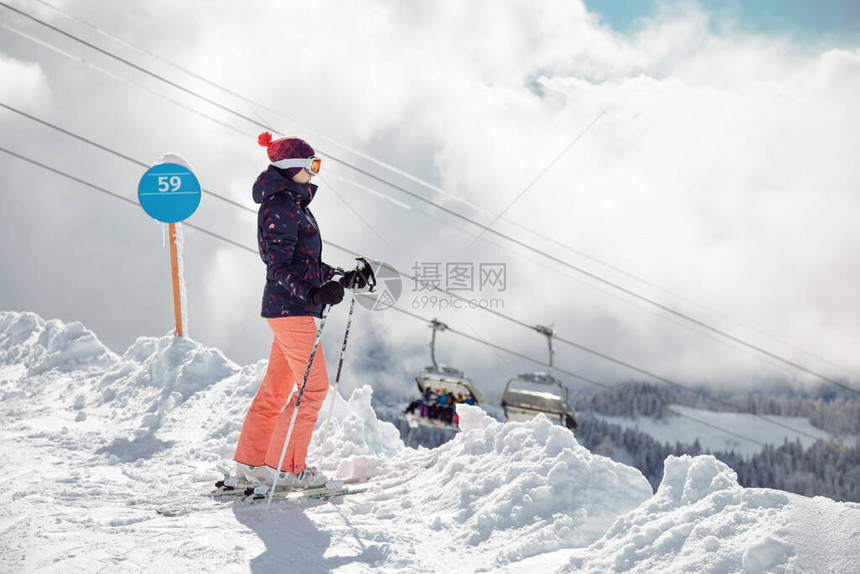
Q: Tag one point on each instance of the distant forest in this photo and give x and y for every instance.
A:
(831, 470)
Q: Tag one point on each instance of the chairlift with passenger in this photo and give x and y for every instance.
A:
(441, 387)
(530, 394)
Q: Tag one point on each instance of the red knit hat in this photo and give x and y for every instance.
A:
(285, 148)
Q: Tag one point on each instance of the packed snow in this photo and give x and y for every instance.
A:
(94, 444)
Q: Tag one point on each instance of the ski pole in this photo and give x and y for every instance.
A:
(369, 277)
(296, 409)
(336, 380)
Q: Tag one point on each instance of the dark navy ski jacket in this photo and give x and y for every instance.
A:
(290, 245)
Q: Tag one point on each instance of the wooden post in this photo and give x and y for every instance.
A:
(174, 264)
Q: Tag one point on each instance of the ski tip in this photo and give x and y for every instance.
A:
(171, 512)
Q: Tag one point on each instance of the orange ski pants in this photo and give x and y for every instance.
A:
(266, 424)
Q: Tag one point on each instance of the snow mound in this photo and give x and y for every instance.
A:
(521, 488)
(701, 520)
(472, 418)
(215, 412)
(358, 442)
(124, 436)
(156, 375)
(27, 339)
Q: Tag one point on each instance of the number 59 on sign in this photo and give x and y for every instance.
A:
(172, 184)
(169, 192)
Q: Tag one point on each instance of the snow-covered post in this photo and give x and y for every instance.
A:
(170, 192)
(174, 267)
(180, 277)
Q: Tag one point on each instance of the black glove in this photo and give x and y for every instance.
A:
(330, 293)
(353, 280)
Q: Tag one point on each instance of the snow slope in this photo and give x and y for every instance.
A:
(690, 424)
(94, 443)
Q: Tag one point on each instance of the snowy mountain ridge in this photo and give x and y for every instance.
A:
(94, 442)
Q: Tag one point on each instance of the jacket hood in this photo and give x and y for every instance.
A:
(273, 181)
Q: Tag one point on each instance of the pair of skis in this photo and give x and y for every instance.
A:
(231, 488)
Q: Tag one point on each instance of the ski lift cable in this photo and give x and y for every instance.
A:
(719, 428)
(581, 347)
(127, 157)
(593, 382)
(143, 164)
(680, 319)
(120, 197)
(357, 152)
(608, 293)
(133, 84)
(700, 323)
(218, 196)
(252, 102)
(117, 154)
(370, 158)
(252, 211)
(239, 245)
(402, 274)
(136, 204)
(495, 352)
(605, 292)
(665, 308)
(506, 350)
(246, 248)
(257, 122)
(465, 335)
(475, 339)
(212, 193)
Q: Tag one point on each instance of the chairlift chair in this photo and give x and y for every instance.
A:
(436, 377)
(530, 394)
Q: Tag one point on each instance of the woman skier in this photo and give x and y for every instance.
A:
(298, 286)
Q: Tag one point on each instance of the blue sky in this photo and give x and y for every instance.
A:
(806, 20)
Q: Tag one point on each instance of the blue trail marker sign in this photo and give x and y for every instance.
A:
(169, 192)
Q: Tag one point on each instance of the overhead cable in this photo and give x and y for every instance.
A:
(475, 339)
(665, 308)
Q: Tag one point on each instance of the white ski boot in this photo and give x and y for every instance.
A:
(310, 477)
(252, 474)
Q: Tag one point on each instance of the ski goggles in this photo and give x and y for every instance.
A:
(311, 164)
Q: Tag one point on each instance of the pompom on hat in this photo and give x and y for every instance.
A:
(285, 148)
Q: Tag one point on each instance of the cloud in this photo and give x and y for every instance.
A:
(22, 82)
(721, 172)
